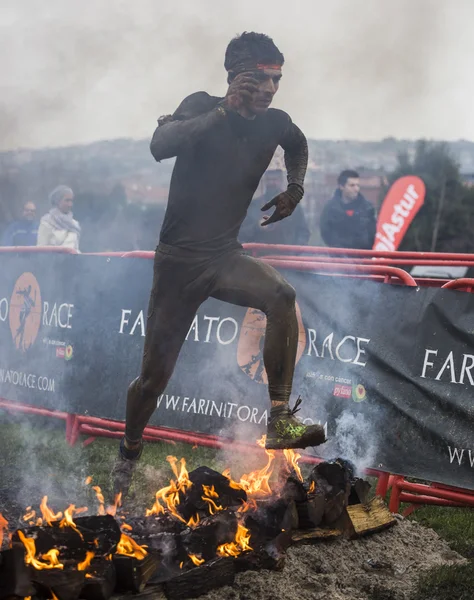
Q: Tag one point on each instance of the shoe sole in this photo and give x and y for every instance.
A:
(289, 445)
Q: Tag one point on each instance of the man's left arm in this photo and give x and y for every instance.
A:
(295, 147)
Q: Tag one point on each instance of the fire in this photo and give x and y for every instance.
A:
(213, 507)
(169, 495)
(240, 543)
(30, 515)
(112, 510)
(48, 515)
(292, 457)
(257, 482)
(210, 492)
(82, 566)
(196, 560)
(232, 484)
(100, 499)
(250, 504)
(48, 561)
(68, 521)
(88, 480)
(193, 521)
(129, 547)
(3, 526)
(312, 487)
(126, 527)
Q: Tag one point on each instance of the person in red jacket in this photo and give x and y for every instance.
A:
(223, 147)
(348, 220)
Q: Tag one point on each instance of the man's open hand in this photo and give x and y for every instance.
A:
(240, 91)
(285, 203)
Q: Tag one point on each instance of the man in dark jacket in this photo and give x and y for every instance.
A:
(348, 219)
(23, 232)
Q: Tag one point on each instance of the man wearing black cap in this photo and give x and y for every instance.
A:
(223, 147)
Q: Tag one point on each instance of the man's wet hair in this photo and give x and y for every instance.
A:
(345, 175)
(251, 48)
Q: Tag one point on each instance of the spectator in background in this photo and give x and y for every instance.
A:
(348, 219)
(57, 227)
(23, 232)
(292, 231)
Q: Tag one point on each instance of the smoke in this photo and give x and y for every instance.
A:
(77, 72)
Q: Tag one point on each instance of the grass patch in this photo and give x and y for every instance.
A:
(455, 525)
(447, 583)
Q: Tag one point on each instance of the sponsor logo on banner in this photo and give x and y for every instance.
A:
(359, 393)
(69, 352)
(25, 311)
(342, 391)
(60, 352)
(402, 202)
(252, 339)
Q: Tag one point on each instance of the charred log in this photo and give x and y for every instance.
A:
(209, 534)
(14, 575)
(133, 574)
(101, 583)
(200, 580)
(360, 490)
(311, 512)
(192, 503)
(98, 534)
(66, 585)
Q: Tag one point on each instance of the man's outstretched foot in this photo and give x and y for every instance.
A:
(124, 467)
(286, 431)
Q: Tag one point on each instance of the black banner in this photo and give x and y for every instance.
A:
(389, 370)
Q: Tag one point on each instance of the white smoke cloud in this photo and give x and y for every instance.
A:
(73, 72)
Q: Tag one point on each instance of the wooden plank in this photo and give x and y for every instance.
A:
(318, 533)
(371, 517)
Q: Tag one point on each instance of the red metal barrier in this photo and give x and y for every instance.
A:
(427, 494)
(38, 249)
(409, 262)
(465, 284)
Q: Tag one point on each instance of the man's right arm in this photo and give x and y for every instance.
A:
(196, 115)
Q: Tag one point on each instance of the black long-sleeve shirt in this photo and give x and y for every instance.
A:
(220, 161)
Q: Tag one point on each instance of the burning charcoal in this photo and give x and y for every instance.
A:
(294, 490)
(359, 492)
(133, 574)
(335, 474)
(66, 585)
(14, 575)
(99, 534)
(100, 584)
(334, 507)
(270, 518)
(225, 495)
(200, 580)
(311, 512)
(209, 534)
(146, 528)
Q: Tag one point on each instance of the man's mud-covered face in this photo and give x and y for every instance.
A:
(268, 84)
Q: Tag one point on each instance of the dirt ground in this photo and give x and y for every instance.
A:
(383, 566)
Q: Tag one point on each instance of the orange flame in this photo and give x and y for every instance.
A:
(88, 480)
(312, 487)
(126, 527)
(250, 504)
(68, 521)
(240, 543)
(112, 510)
(3, 526)
(232, 484)
(213, 507)
(100, 499)
(29, 515)
(82, 566)
(292, 457)
(209, 491)
(196, 560)
(193, 521)
(169, 495)
(257, 482)
(129, 547)
(49, 560)
(48, 515)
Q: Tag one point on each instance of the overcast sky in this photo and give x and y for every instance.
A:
(75, 71)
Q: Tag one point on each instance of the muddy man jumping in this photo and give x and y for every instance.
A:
(222, 147)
